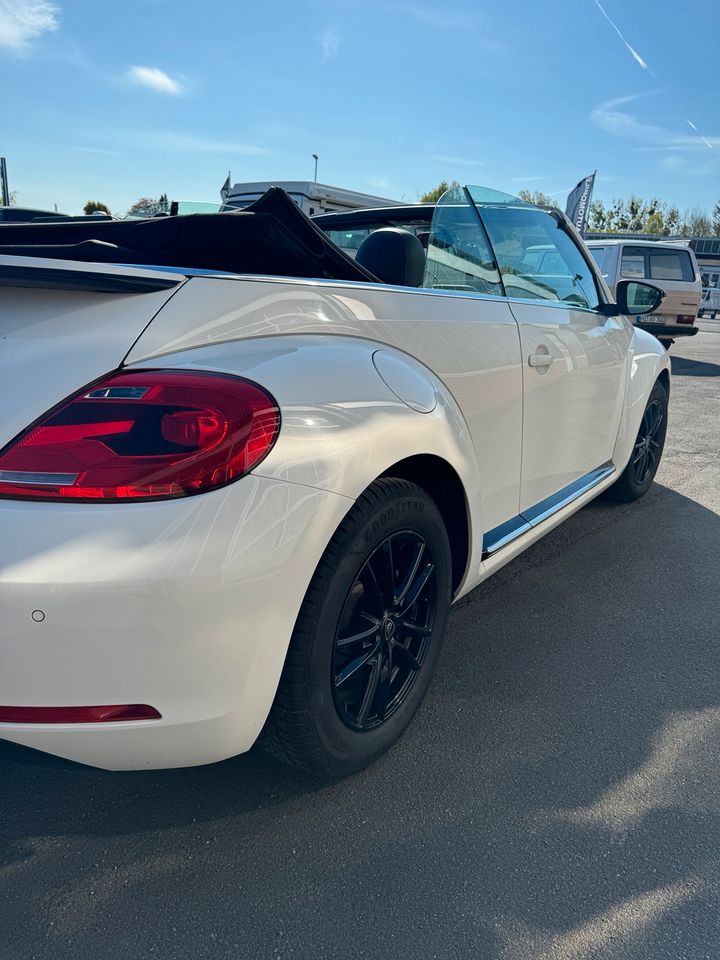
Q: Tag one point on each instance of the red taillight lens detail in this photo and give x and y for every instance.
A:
(108, 714)
(145, 434)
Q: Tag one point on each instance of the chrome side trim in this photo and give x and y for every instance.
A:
(500, 536)
(507, 532)
(546, 508)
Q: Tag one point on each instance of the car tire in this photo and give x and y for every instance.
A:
(330, 716)
(637, 477)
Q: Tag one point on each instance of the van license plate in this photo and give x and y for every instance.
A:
(656, 318)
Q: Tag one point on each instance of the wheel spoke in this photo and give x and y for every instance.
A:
(418, 586)
(655, 429)
(352, 668)
(411, 574)
(383, 691)
(363, 635)
(370, 692)
(640, 450)
(375, 586)
(403, 656)
(382, 573)
(416, 628)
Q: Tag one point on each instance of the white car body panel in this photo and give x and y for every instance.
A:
(185, 604)
(470, 343)
(573, 406)
(55, 341)
(189, 604)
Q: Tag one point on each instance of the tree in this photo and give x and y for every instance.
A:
(537, 197)
(716, 219)
(147, 207)
(12, 199)
(432, 196)
(96, 205)
(696, 223)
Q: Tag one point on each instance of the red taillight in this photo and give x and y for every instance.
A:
(685, 319)
(145, 434)
(108, 714)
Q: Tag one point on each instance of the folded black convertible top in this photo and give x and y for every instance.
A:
(271, 237)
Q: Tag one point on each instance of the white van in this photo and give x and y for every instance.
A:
(667, 264)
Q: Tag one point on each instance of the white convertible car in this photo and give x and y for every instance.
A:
(243, 475)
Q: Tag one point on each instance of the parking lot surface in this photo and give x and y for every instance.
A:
(557, 797)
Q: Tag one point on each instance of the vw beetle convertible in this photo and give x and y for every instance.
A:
(244, 474)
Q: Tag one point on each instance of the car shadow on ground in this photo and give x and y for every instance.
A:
(559, 786)
(685, 367)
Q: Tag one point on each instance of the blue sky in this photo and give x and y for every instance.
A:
(117, 99)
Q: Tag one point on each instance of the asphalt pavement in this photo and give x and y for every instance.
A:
(557, 797)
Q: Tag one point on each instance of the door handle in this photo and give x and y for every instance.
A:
(540, 360)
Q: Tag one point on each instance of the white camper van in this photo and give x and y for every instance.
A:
(312, 198)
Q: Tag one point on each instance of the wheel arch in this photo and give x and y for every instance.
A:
(648, 364)
(442, 483)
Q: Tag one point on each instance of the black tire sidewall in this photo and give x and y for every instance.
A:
(658, 392)
(414, 510)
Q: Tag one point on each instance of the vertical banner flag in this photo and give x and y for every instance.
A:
(225, 188)
(4, 189)
(578, 202)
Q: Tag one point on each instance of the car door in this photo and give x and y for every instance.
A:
(574, 357)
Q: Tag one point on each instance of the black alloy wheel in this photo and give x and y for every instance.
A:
(648, 445)
(384, 631)
(637, 477)
(368, 636)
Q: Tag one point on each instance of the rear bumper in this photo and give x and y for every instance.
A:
(666, 330)
(185, 605)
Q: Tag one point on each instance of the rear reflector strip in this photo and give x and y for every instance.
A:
(107, 714)
(36, 479)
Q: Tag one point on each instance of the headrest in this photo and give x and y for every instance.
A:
(395, 256)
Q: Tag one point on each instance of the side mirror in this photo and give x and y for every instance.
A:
(632, 298)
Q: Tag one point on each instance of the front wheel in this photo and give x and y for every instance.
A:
(368, 634)
(638, 475)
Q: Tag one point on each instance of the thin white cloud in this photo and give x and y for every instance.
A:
(691, 124)
(633, 52)
(173, 142)
(435, 17)
(156, 79)
(525, 179)
(456, 161)
(620, 123)
(22, 21)
(380, 182)
(97, 150)
(329, 42)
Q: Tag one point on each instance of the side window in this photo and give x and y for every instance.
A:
(538, 260)
(348, 240)
(599, 256)
(633, 263)
(671, 266)
(459, 256)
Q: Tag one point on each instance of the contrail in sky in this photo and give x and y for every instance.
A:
(633, 52)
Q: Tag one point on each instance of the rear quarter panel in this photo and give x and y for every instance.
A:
(468, 346)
